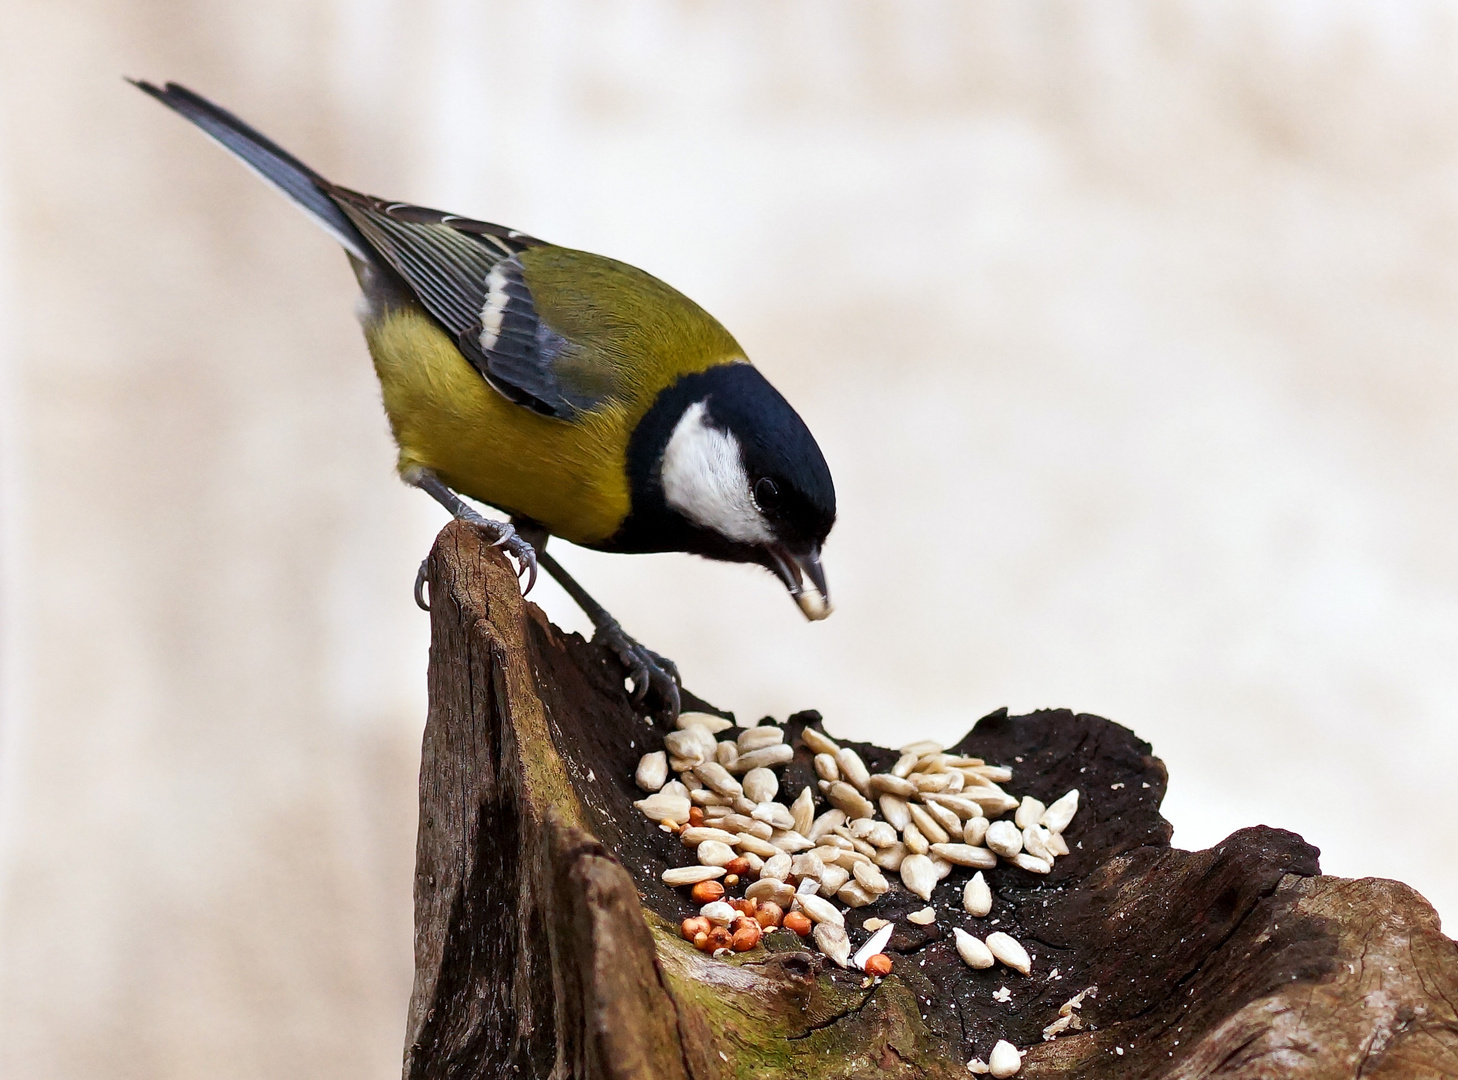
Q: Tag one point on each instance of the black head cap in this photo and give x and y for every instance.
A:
(776, 509)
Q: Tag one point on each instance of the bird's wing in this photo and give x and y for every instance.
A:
(468, 275)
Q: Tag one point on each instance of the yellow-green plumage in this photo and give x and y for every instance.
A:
(629, 336)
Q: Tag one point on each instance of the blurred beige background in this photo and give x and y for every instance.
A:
(1128, 329)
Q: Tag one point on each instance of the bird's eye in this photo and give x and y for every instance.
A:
(766, 493)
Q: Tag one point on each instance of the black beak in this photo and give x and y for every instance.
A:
(793, 568)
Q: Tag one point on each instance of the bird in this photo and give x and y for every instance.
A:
(581, 397)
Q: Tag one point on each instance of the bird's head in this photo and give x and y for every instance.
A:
(723, 467)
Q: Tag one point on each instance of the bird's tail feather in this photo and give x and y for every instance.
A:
(268, 159)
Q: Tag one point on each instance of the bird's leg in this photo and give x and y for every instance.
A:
(502, 533)
(645, 667)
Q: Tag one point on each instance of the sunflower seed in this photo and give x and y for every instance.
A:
(687, 745)
(874, 944)
(1032, 863)
(854, 769)
(1004, 1061)
(845, 797)
(717, 779)
(764, 758)
(964, 762)
(922, 748)
(832, 879)
(754, 859)
(661, 807)
(930, 763)
(721, 815)
(826, 767)
(652, 771)
(1056, 844)
(1030, 811)
(820, 910)
(793, 842)
(914, 841)
(965, 855)
(890, 857)
(919, 875)
(964, 809)
(726, 754)
(738, 823)
(710, 723)
(887, 784)
(1076, 1001)
(871, 879)
(748, 843)
(807, 865)
(833, 942)
(997, 774)
(846, 857)
(895, 810)
(973, 952)
(718, 912)
(1004, 838)
(955, 782)
(882, 834)
(925, 917)
(1036, 842)
(691, 875)
(775, 814)
(928, 825)
(994, 801)
(928, 782)
(818, 741)
(1057, 1027)
(771, 889)
(757, 738)
(743, 805)
(945, 818)
(808, 887)
(803, 811)
(942, 867)
(706, 798)
(975, 831)
(777, 866)
(1060, 812)
(976, 896)
(1006, 949)
(714, 853)
(827, 821)
(693, 836)
(978, 1067)
(904, 764)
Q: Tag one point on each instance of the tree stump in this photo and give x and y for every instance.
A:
(546, 944)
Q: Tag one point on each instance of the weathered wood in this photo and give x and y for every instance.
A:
(546, 944)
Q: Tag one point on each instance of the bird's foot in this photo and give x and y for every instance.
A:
(648, 671)
(503, 535)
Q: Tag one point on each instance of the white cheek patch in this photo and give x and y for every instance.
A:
(704, 480)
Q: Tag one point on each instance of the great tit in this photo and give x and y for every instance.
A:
(581, 396)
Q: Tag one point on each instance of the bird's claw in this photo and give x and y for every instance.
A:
(646, 669)
(519, 548)
(522, 551)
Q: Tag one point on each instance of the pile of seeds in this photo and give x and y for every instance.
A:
(810, 856)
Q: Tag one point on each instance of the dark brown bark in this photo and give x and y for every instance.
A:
(545, 941)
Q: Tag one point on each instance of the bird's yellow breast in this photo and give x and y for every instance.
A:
(571, 476)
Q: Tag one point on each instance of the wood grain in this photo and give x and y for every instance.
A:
(545, 943)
